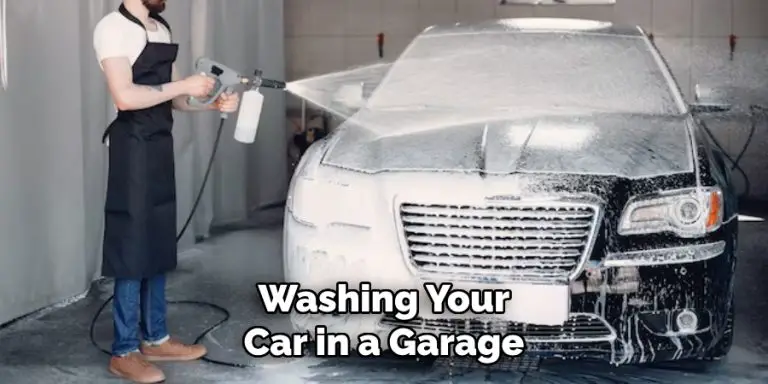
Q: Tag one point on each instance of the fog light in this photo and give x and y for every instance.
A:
(687, 322)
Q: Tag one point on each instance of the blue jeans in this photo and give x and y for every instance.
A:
(138, 304)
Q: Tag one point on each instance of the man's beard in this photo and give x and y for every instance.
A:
(154, 6)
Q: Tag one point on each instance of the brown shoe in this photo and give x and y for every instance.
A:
(173, 350)
(135, 368)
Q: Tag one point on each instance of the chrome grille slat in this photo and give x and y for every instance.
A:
(494, 223)
(580, 327)
(534, 253)
(483, 262)
(501, 213)
(496, 233)
(496, 244)
(515, 241)
(521, 274)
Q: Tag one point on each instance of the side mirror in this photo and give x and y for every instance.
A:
(710, 108)
(351, 95)
(710, 100)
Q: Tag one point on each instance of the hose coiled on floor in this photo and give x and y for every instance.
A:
(218, 308)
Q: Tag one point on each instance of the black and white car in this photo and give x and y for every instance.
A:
(557, 158)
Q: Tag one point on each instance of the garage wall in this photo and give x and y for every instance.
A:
(329, 35)
(55, 109)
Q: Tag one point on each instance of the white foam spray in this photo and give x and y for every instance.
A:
(340, 93)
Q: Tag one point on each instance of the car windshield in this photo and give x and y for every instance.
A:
(523, 71)
(480, 100)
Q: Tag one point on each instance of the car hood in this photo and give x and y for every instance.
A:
(610, 144)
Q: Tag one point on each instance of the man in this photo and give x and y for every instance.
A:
(136, 54)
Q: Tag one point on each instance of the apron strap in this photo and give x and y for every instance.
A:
(105, 136)
(124, 11)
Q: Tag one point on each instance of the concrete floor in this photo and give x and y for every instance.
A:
(54, 348)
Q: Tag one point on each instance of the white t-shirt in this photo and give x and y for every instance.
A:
(116, 36)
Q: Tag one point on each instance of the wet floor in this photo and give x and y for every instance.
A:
(55, 348)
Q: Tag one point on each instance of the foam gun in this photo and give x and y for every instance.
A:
(230, 81)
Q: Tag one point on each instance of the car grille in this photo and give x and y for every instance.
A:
(509, 242)
(580, 328)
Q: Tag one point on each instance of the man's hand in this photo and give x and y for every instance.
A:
(228, 102)
(199, 86)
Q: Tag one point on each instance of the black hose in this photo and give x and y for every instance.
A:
(225, 312)
(736, 166)
(754, 111)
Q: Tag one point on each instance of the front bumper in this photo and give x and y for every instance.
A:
(623, 314)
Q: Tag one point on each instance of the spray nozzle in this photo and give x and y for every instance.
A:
(258, 81)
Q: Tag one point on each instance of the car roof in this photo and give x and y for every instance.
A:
(538, 25)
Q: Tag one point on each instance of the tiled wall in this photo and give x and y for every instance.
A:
(329, 35)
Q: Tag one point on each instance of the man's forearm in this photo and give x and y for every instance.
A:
(181, 103)
(145, 96)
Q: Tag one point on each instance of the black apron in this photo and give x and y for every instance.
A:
(140, 207)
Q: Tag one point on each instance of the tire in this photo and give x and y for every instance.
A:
(721, 349)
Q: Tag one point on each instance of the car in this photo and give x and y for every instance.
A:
(555, 158)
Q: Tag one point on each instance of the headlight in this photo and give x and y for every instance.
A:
(687, 213)
(318, 203)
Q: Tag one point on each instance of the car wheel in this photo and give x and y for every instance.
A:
(721, 349)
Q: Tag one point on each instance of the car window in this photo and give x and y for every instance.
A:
(492, 70)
